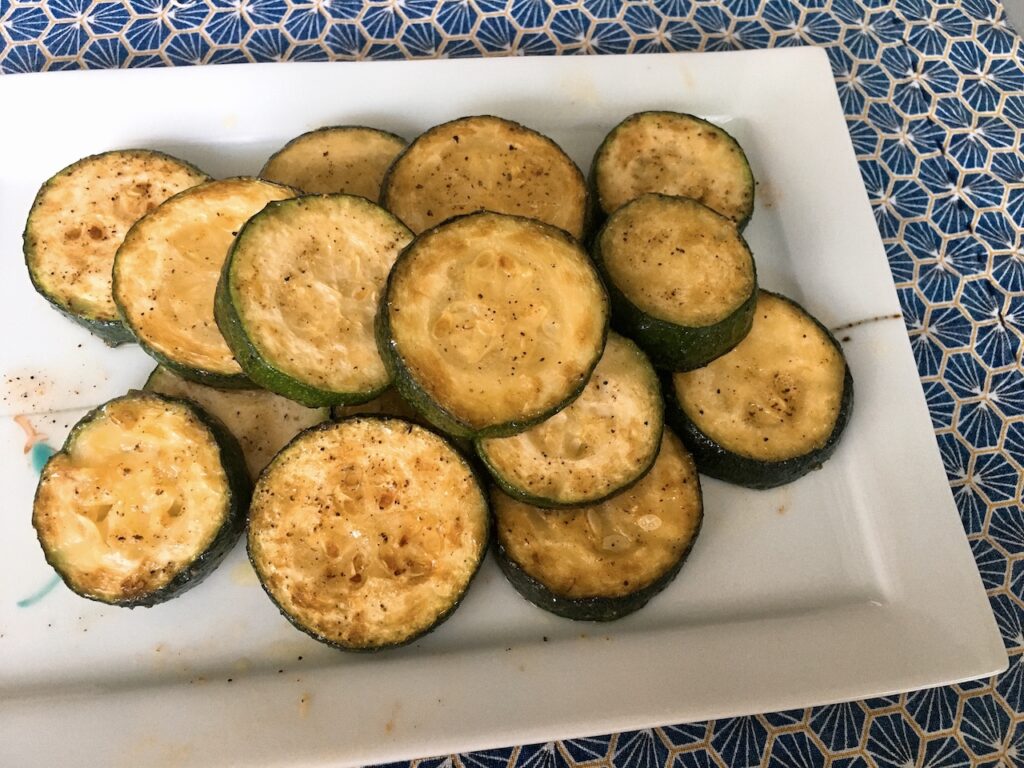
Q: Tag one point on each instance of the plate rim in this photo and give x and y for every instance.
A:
(467, 727)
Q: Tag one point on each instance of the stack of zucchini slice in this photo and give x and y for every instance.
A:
(758, 389)
(603, 561)
(366, 365)
(494, 327)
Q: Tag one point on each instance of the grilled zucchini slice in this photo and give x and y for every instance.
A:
(367, 532)
(681, 279)
(145, 498)
(261, 421)
(485, 163)
(675, 154)
(349, 159)
(492, 323)
(79, 218)
(298, 295)
(597, 447)
(772, 409)
(603, 562)
(166, 271)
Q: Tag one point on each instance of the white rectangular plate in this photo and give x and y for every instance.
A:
(855, 581)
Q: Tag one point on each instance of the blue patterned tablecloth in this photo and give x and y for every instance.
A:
(934, 100)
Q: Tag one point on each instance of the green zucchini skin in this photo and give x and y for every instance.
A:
(258, 373)
(669, 345)
(546, 565)
(674, 347)
(590, 608)
(239, 493)
(206, 378)
(388, 403)
(111, 332)
(599, 214)
(257, 367)
(443, 617)
(715, 461)
(416, 396)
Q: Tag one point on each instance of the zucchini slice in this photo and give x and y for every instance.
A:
(367, 532)
(261, 421)
(485, 163)
(298, 294)
(681, 278)
(349, 159)
(166, 271)
(492, 323)
(144, 499)
(675, 154)
(79, 218)
(597, 447)
(602, 562)
(772, 409)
